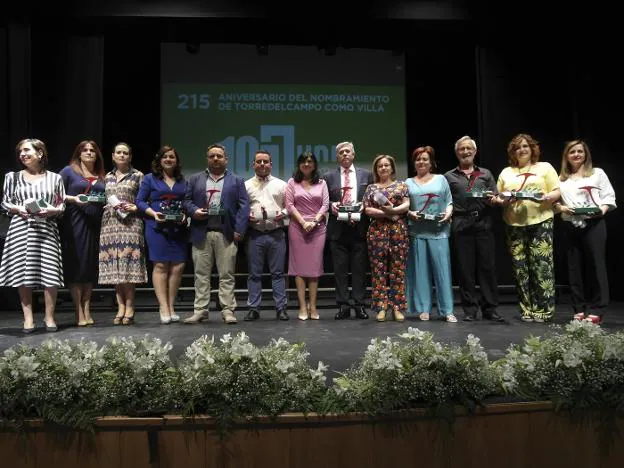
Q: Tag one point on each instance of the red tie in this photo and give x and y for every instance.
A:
(346, 189)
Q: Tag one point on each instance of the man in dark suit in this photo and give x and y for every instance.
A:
(347, 232)
(218, 204)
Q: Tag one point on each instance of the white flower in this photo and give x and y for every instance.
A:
(25, 367)
(413, 334)
(574, 355)
(284, 366)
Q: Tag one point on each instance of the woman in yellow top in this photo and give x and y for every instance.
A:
(527, 190)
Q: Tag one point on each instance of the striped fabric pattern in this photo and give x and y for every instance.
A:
(32, 251)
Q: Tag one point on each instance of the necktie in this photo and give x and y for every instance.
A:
(346, 189)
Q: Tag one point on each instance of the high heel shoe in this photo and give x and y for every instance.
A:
(175, 318)
(50, 328)
(90, 321)
(118, 320)
(127, 320)
(165, 319)
(313, 316)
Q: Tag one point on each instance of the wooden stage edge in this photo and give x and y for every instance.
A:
(516, 434)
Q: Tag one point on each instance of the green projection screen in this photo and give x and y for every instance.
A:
(293, 99)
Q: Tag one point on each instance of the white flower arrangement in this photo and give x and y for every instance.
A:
(71, 383)
(578, 367)
(234, 379)
(414, 370)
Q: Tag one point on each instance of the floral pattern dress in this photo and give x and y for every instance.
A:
(122, 246)
(388, 243)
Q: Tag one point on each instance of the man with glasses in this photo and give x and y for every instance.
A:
(217, 202)
(266, 239)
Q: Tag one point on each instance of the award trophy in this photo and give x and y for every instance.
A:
(171, 208)
(90, 196)
(214, 208)
(34, 207)
(476, 192)
(589, 208)
(524, 194)
(423, 214)
(348, 211)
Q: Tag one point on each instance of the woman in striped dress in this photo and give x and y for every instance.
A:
(32, 257)
(122, 247)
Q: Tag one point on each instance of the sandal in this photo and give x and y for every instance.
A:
(118, 319)
(424, 316)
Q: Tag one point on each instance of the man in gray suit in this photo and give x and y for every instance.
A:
(347, 231)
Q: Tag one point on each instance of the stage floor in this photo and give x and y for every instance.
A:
(338, 343)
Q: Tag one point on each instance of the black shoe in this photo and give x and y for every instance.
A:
(470, 318)
(253, 314)
(344, 313)
(360, 313)
(494, 317)
(282, 314)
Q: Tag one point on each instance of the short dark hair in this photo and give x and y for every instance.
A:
(261, 151)
(298, 175)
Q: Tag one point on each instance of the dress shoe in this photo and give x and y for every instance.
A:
(360, 313)
(228, 317)
(493, 316)
(343, 313)
(470, 318)
(196, 317)
(281, 314)
(253, 314)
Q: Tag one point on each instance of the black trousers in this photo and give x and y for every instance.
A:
(587, 269)
(349, 253)
(476, 262)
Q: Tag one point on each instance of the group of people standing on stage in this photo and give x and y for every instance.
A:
(83, 227)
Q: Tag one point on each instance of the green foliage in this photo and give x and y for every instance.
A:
(580, 368)
(414, 370)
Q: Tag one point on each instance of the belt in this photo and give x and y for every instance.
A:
(472, 214)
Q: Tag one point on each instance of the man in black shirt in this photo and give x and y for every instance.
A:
(472, 188)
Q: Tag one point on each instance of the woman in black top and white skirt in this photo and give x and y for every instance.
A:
(34, 197)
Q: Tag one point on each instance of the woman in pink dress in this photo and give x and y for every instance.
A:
(307, 201)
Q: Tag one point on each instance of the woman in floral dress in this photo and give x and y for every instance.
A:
(122, 247)
(385, 202)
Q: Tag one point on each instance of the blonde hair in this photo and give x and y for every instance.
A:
(587, 168)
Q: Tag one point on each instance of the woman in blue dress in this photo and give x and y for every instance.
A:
(160, 197)
(80, 226)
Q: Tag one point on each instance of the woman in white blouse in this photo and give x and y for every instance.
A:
(584, 187)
